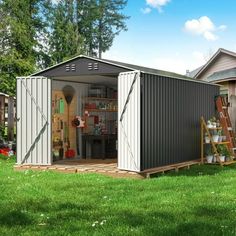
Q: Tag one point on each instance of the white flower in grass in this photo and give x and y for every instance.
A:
(105, 197)
(42, 215)
(103, 222)
(94, 224)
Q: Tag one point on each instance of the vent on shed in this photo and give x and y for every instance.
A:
(90, 66)
(73, 67)
(67, 67)
(93, 66)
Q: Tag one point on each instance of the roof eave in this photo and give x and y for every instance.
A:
(220, 50)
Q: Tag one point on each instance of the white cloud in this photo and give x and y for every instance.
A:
(146, 10)
(222, 27)
(158, 4)
(210, 36)
(204, 27)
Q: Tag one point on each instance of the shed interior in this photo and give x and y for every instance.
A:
(84, 117)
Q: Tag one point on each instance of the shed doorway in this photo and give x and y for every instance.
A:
(84, 126)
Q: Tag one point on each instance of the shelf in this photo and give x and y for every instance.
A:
(217, 128)
(99, 110)
(218, 143)
(102, 99)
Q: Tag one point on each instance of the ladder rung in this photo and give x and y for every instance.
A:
(234, 148)
(224, 107)
(230, 128)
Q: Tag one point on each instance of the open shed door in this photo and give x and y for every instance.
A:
(129, 116)
(34, 120)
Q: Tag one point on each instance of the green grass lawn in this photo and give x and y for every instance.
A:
(199, 201)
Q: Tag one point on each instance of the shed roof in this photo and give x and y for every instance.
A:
(124, 65)
(120, 66)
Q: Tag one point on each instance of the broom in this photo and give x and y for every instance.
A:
(69, 93)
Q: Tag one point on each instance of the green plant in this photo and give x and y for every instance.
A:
(213, 119)
(209, 151)
(223, 150)
(220, 132)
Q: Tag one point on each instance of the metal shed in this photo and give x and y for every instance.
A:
(158, 111)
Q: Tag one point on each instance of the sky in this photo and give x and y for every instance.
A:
(175, 35)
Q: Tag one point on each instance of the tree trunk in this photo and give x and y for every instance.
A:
(100, 40)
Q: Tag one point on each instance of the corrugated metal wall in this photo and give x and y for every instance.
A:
(171, 111)
(34, 120)
(129, 121)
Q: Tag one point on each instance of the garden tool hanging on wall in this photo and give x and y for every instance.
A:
(69, 93)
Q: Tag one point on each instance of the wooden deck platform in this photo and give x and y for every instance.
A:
(105, 167)
(147, 173)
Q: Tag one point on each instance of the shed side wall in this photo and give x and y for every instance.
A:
(129, 126)
(171, 111)
(34, 121)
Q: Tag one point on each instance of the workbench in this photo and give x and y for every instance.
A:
(102, 146)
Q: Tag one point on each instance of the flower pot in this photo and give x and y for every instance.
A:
(215, 138)
(210, 126)
(209, 158)
(214, 124)
(207, 139)
(222, 158)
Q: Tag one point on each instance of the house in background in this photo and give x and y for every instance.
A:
(221, 69)
(7, 115)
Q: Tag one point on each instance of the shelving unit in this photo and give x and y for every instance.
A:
(104, 109)
(100, 127)
(205, 129)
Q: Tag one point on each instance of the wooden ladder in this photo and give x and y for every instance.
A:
(225, 122)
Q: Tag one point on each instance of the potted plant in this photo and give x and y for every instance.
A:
(213, 122)
(207, 139)
(220, 139)
(227, 154)
(222, 150)
(209, 125)
(215, 137)
(218, 123)
(209, 155)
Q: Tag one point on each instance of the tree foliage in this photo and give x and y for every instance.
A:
(21, 28)
(37, 33)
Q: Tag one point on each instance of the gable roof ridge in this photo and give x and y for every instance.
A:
(218, 52)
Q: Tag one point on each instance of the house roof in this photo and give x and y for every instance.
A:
(204, 67)
(221, 76)
(194, 72)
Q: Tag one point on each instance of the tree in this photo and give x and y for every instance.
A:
(110, 22)
(65, 40)
(22, 24)
(99, 21)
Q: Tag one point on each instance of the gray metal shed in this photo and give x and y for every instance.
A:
(158, 111)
